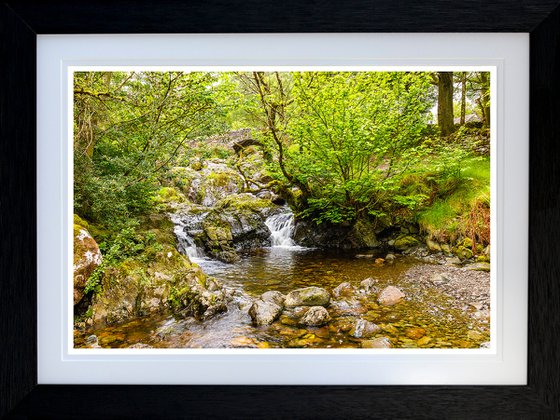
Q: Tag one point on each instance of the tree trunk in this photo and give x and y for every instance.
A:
(484, 98)
(463, 96)
(445, 103)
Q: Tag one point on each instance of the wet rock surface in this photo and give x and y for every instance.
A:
(434, 314)
(315, 316)
(308, 296)
(87, 257)
(264, 312)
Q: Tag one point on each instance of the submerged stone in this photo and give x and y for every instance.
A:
(343, 289)
(368, 285)
(364, 328)
(415, 333)
(390, 296)
(377, 343)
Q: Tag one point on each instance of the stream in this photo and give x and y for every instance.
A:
(426, 318)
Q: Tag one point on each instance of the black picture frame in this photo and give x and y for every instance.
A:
(21, 397)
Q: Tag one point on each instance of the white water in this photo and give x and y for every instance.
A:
(186, 244)
(281, 228)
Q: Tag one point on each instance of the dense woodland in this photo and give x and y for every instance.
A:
(379, 150)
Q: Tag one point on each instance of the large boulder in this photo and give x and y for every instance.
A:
(274, 297)
(308, 296)
(87, 257)
(326, 235)
(133, 288)
(315, 317)
(390, 296)
(406, 242)
(264, 312)
(236, 223)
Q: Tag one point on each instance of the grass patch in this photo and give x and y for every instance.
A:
(462, 206)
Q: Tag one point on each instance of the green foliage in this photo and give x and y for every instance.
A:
(345, 137)
(463, 199)
(131, 127)
(341, 147)
(128, 243)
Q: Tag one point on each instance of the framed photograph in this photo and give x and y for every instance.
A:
(298, 209)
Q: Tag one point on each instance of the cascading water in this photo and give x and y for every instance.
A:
(185, 226)
(281, 226)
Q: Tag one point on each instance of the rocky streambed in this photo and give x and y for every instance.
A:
(293, 297)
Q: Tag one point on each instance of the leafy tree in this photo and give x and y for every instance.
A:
(342, 138)
(130, 127)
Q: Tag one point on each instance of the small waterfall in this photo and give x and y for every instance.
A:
(281, 228)
(185, 226)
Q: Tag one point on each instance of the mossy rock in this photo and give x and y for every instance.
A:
(464, 253)
(167, 195)
(467, 243)
(433, 246)
(482, 258)
(364, 232)
(244, 202)
(406, 242)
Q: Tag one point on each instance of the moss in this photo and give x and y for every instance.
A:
(80, 222)
(220, 179)
(166, 195)
(406, 242)
(464, 253)
(243, 202)
(467, 243)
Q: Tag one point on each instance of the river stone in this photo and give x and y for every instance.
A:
(480, 266)
(363, 328)
(140, 346)
(415, 333)
(242, 342)
(424, 341)
(346, 307)
(390, 258)
(343, 289)
(315, 317)
(390, 296)
(433, 246)
(368, 285)
(264, 313)
(92, 341)
(453, 261)
(308, 296)
(377, 343)
(439, 279)
(274, 297)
